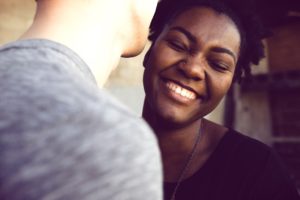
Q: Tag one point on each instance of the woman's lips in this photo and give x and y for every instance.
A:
(177, 92)
(180, 90)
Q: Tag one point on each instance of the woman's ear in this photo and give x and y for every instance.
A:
(146, 58)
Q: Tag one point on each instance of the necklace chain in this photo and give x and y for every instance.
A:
(188, 163)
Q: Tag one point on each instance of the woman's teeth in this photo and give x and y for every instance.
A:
(181, 91)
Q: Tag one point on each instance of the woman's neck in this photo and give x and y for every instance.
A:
(172, 139)
(177, 146)
(177, 140)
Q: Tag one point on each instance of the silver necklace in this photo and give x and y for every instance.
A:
(188, 163)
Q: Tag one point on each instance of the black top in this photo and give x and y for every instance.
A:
(240, 168)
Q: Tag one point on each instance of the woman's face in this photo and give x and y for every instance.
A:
(190, 66)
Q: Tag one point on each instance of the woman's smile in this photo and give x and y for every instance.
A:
(178, 92)
(188, 69)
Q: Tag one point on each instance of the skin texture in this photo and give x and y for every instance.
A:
(141, 15)
(200, 56)
(99, 31)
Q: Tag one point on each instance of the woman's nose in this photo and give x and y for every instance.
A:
(192, 68)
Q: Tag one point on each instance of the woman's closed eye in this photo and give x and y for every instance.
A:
(218, 65)
(176, 45)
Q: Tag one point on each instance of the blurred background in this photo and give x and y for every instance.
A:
(267, 107)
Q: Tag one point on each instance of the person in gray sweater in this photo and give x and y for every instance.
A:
(61, 136)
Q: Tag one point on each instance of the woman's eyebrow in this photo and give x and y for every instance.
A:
(191, 37)
(224, 50)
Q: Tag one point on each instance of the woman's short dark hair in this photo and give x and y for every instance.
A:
(242, 13)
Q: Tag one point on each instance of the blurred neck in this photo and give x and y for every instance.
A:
(93, 29)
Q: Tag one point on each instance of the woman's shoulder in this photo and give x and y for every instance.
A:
(235, 140)
(246, 147)
(238, 145)
(247, 144)
(251, 162)
(271, 173)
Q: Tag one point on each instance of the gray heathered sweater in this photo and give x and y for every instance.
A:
(61, 137)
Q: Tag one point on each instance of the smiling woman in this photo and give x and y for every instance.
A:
(198, 49)
(196, 61)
